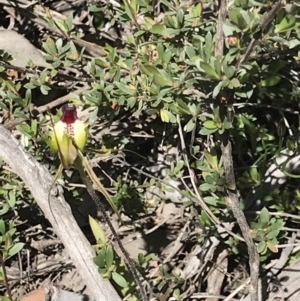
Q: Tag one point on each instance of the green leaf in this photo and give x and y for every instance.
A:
(287, 23)
(209, 70)
(204, 218)
(236, 17)
(160, 77)
(180, 17)
(119, 279)
(161, 285)
(212, 158)
(244, 3)
(97, 230)
(34, 126)
(280, 40)
(270, 81)
(167, 116)
(206, 187)
(264, 216)
(30, 86)
(278, 225)
(217, 89)
(16, 248)
(12, 199)
(100, 258)
(167, 57)
(227, 125)
(5, 208)
(69, 22)
(183, 105)
(62, 25)
(50, 46)
(210, 200)
(44, 89)
(294, 43)
(255, 226)
(281, 128)
(101, 62)
(124, 88)
(23, 116)
(141, 259)
(210, 124)
(132, 298)
(234, 83)
(197, 11)
(95, 8)
(109, 256)
(172, 21)
(157, 28)
(170, 32)
(190, 51)
(2, 226)
(205, 131)
(3, 106)
(229, 71)
(179, 165)
(272, 247)
(261, 247)
(190, 125)
(260, 235)
(208, 46)
(254, 174)
(272, 234)
(8, 242)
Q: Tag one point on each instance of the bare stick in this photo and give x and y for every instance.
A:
(219, 46)
(232, 196)
(38, 180)
(233, 201)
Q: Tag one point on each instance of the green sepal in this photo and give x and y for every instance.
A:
(81, 131)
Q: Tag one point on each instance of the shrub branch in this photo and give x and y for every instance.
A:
(232, 196)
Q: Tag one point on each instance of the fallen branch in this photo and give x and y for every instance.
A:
(38, 180)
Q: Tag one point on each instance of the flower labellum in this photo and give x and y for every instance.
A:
(67, 134)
